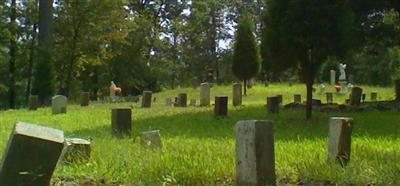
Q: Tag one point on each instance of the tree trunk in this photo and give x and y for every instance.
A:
(12, 53)
(245, 87)
(30, 65)
(309, 85)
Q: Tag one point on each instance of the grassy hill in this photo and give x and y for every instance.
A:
(199, 149)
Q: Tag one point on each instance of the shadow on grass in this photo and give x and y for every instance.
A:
(288, 125)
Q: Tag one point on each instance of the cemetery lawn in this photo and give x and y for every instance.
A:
(199, 149)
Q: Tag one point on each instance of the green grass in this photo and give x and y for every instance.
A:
(200, 149)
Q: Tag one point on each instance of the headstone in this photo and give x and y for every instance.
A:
(342, 78)
(255, 158)
(31, 155)
(192, 102)
(221, 106)
(59, 104)
(339, 147)
(297, 98)
(204, 94)
(397, 85)
(168, 102)
(333, 77)
(316, 102)
(146, 99)
(121, 121)
(355, 98)
(182, 100)
(273, 104)
(151, 139)
(374, 96)
(280, 97)
(112, 92)
(33, 102)
(76, 150)
(329, 97)
(85, 97)
(237, 94)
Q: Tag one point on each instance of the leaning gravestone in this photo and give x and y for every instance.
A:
(85, 99)
(273, 104)
(221, 106)
(181, 100)
(151, 139)
(31, 155)
(297, 98)
(59, 104)
(33, 102)
(146, 99)
(355, 97)
(374, 96)
(204, 94)
(76, 150)
(255, 158)
(329, 97)
(339, 147)
(237, 94)
(121, 121)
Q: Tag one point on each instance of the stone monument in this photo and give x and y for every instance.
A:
(342, 78)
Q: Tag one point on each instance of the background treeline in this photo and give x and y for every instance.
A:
(155, 44)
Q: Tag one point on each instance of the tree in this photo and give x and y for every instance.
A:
(12, 54)
(246, 61)
(44, 75)
(305, 33)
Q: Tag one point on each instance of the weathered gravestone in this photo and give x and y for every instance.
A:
(121, 121)
(204, 94)
(31, 155)
(33, 102)
(237, 94)
(192, 102)
(59, 104)
(273, 104)
(85, 99)
(151, 139)
(355, 97)
(146, 99)
(333, 77)
(221, 106)
(255, 158)
(297, 98)
(168, 102)
(374, 96)
(339, 145)
(181, 100)
(329, 97)
(76, 150)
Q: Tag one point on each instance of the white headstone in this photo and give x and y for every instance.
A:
(205, 94)
(59, 104)
(333, 77)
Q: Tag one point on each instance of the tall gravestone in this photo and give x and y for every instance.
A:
(339, 145)
(329, 97)
(355, 97)
(297, 98)
(255, 157)
(333, 77)
(273, 104)
(33, 102)
(181, 100)
(85, 99)
(59, 104)
(221, 106)
(204, 94)
(374, 96)
(146, 99)
(237, 94)
(121, 121)
(31, 155)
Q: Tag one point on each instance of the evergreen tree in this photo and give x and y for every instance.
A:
(246, 61)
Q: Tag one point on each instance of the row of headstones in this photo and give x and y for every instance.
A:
(58, 102)
(33, 152)
(356, 97)
(255, 154)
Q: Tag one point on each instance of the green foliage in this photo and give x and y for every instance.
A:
(44, 75)
(246, 61)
